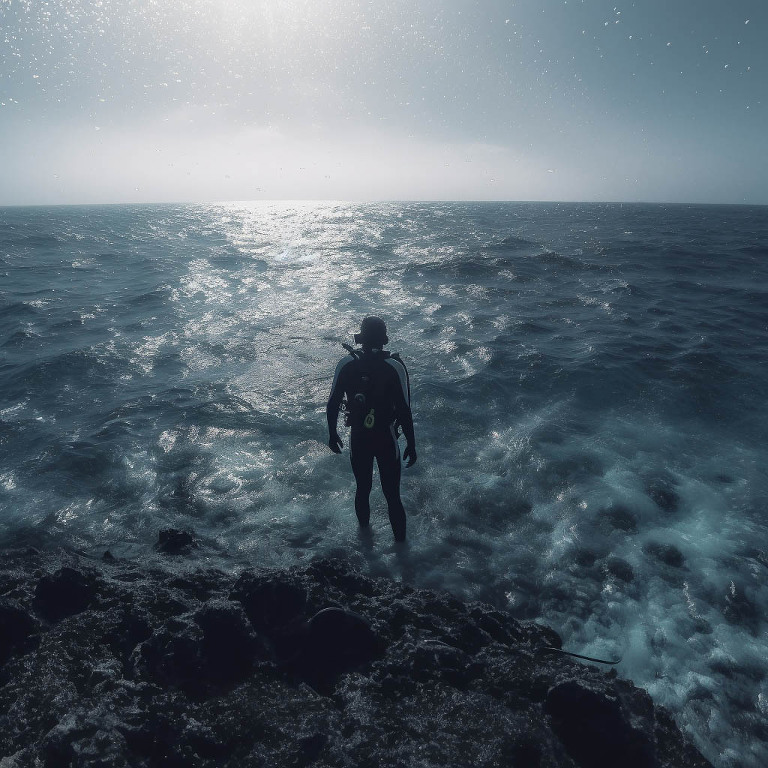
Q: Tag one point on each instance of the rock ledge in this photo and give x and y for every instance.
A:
(107, 663)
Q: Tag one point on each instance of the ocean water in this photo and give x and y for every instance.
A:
(589, 394)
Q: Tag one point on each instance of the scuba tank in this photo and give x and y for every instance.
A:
(361, 410)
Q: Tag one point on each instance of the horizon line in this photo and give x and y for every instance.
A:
(401, 201)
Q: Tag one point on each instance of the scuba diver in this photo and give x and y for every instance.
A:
(371, 386)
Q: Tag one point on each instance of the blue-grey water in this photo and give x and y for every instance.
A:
(589, 392)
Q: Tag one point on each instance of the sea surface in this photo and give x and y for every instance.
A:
(589, 393)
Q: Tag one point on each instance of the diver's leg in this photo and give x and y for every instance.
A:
(362, 466)
(388, 459)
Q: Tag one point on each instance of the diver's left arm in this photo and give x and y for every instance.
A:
(405, 418)
(332, 408)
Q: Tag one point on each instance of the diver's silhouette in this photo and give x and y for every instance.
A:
(376, 392)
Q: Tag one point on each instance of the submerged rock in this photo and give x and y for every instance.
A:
(738, 608)
(664, 495)
(620, 569)
(172, 541)
(665, 553)
(619, 518)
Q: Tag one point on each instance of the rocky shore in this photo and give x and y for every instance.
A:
(109, 663)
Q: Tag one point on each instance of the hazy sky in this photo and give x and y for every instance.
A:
(172, 100)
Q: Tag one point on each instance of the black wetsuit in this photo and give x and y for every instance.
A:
(373, 434)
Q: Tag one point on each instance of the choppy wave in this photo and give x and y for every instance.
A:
(589, 388)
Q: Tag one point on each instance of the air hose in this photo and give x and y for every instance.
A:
(550, 649)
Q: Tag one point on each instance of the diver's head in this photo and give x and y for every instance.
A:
(373, 333)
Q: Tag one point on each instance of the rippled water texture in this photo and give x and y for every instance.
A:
(589, 396)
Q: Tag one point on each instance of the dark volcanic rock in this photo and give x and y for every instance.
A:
(64, 593)
(434, 659)
(334, 641)
(131, 626)
(595, 731)
(171, 656)
(172, 541)
(307, 666)
(17, 629)
(84, 740)
(230, 645)
(271, 601)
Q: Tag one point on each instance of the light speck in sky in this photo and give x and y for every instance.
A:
(350, 99)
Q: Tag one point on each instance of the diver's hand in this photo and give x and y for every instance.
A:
(409, 455)
(334, 443)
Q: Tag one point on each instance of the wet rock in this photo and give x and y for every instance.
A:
(310, 747)
(213, 647)
(84, 741)
(665, 553)
(156, 740)
(336, 640)
(202, 740)
(436, 659)
(497, 625)
(522, 750)
(594, 730)
(230, 645)
(164, 670)
(200, 584)
(132, 626)
(171, 656)
(105, 672)
(270, 602)
(172, 541)
(17, 629)
(336, 573)
(64, 593)
(675, 751)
